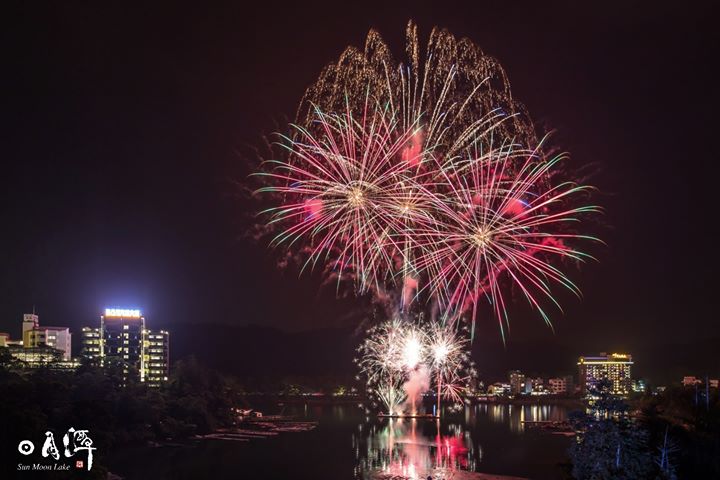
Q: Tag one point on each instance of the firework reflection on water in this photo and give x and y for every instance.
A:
(413, 449)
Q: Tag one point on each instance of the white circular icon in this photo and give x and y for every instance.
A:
(26, 447)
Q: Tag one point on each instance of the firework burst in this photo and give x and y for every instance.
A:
(450, 361)
(348, 194)
(396, 351)
(499, 220)
(428, 177)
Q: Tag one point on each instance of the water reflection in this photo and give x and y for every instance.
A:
(417, 448)
(519, 417)
(413, 449)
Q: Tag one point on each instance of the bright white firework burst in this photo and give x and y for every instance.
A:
(394, 349)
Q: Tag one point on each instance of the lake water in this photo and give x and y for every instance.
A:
(348, 444)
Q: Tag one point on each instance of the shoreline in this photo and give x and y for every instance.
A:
(316, 399)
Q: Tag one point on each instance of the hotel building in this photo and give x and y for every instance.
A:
(123, 338)
(6, 341)
(41, 346)
(614, 367)
(557, 386)
(157, 356)
(517, 382)
(56, 337)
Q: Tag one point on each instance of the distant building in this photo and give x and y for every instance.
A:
(122, 333)
(570, 384)
(537, 383)
(39, 356)
(41, 346)
(639, 386)
(123, 338)
(35, 335)
(157, 356)
(499, 389)
(615, 368)
(91, 343)
(528, 386)
(30, 321)
(537, 386)
(691, 381)
(517, 382)
(558, 386)
(5, 340)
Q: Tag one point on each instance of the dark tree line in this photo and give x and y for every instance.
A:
(117, 412)
(666, 436)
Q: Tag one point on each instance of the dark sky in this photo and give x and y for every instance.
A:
(125, 127)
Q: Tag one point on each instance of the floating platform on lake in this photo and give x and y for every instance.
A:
(418, 415)
(554, 426)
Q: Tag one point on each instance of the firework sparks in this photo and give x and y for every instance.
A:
(500, 220)
(450, 360)
(347, 194)
(412, 351)
(397, 356)
(425, 176)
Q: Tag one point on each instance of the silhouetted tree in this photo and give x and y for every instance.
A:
(609, 444)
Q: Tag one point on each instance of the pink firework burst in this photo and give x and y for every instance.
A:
(426, 177)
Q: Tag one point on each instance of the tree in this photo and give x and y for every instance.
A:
(609, 444)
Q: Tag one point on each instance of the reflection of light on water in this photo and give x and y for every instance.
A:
(413, 449)
(497, 413)
(518, 417)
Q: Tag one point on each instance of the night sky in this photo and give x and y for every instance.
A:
(127, 128)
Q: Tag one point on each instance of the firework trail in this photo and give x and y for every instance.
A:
(425, 177)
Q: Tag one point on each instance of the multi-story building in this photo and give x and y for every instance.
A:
(639, 386)
(528, 386)
(122, 331)
(499, 389)
(91, 343)
(123, 339)
(41, 346)
(614, 368)
(40, 356)
(35, 335)
(157, 356)
(536, 386)
(692, 381)
(6, 341)
(557, 386)
(517, 382)
(30, 321)
(569, 384)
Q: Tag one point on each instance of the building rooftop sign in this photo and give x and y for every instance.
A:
(122, 312)
(606, 359)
